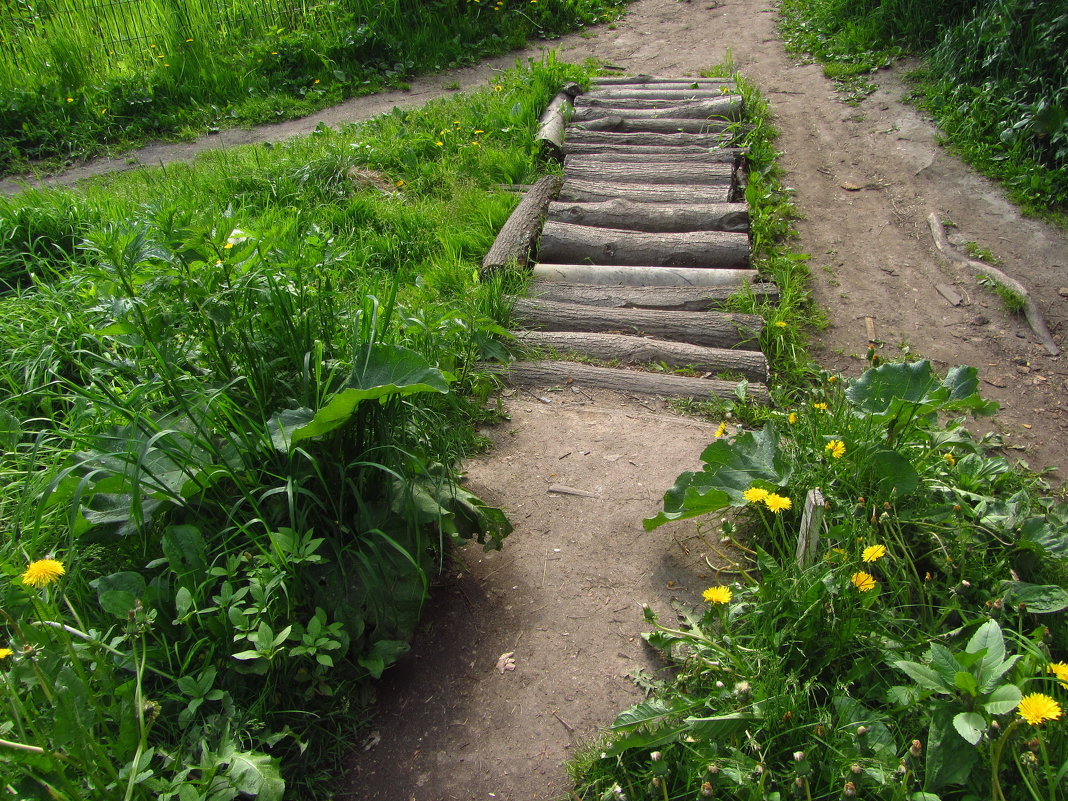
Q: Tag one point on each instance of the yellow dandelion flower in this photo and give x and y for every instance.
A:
(400, 183)
(440, 143)
(228, 245)
(5, 653)
(717, 595)
(1060, 669)
(42, 572)
(755, 494)
(836, 447)
(777, 503)
(479, 130)
(721, 430)
(1037, 708)
(70, 99)
(165, 64)
(189, 40)
(831, 379)
(949, 459)
(498, 88)
(864, 582)
(791, 418)
(873, 553)
(780, 324)
(820, 406)
(474, 143)
(315, 82)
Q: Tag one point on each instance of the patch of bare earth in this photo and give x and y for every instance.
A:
(563, 599)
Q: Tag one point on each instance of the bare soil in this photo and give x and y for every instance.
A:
(563, 599)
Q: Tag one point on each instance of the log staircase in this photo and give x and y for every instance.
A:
(645, 239)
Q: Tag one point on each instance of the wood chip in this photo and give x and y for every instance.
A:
(562, 490)
(951, 295)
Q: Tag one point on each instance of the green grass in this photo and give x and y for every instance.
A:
(234, 399)
(993, 77)
(77, 81)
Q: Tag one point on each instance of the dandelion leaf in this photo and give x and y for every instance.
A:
(1039, 599)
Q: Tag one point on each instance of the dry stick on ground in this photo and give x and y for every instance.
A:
(1030, 309)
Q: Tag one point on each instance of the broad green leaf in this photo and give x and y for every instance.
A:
(987, 639)
(1044, 536)
(381, 371)
(642, 714)
(924, 676)
(888, 391)
(1040, 599)
(183, 601)
(966, 682)
(970, 726)
(720, 726)
(924, 797)
(119, 592)
(949, 757)
(1004, 699)
(257, 775)
(383, 654)
(893, 473)
(184, 548)
(641, 739)
(942, 660)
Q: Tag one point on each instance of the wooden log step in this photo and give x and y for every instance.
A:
(546, 374)
(516, 237)
(653, 92)
(652, 172)
(749, 364)
(659, 217)
(665, 298)
(553, 120)
(638, 152)
(595, 191)
(668, 125)
(712, 329)
(631, 276)
(650, 80)
(728, 107)
(642, 139)
(588, 102)
(565, 243)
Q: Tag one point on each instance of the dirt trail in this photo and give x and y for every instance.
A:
(564, 595)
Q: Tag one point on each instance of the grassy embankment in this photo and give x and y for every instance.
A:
(232, 404)
(77, 81)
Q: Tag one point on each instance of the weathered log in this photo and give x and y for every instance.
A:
(650, 80)
(669, 125)
(642, 350)
(589, 102)
(630, 276)
(679, 155)
(594, 191)
(713, 329)
(565, 243)
(706, 140)
(518, 233)
(667, 298)
(1030, 309)
(551, 123)
(638, 152)
(728, 107)
(653, 172)
(654, 92)
(536, 374)
(660, 217)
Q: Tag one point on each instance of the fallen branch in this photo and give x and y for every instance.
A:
(1030, 310)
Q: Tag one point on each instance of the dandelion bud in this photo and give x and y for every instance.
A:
(900, 773)
(1029, 758)
(884, 517)
(799, 782)
(856, 769)
(998, 603)
(713, 769)
(656, 782)
(849, 790)
(965, 584)
(741, 688)
(820, 730)
(706, 790)
(655, 756)
(916, 748)
(995, 725)
(1032, 744)
(861, 501)
(886, 505)
(862, 730)
(151, 710)
(719, 685)
(798, 756)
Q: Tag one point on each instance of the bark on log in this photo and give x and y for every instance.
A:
(650, 80)
(565, 243)
(653, 92)
(728, 107)
(615, 275)
(667, 125)
(638, 152)
(1030, 309)
(595, 191)
(652, 172)
(704, 141)
(642, 350)
(712, 329)
(534, 374)
(664, 298)
(679, 155)
(655, 217)
(518, 233)
(588, 102)
(551, 125)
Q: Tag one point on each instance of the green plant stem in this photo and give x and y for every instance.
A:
(142, 732)
(99, 643)
(36, 749)
(995, 761)
(1045, 763)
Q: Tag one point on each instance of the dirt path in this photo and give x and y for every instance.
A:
(564, 595)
